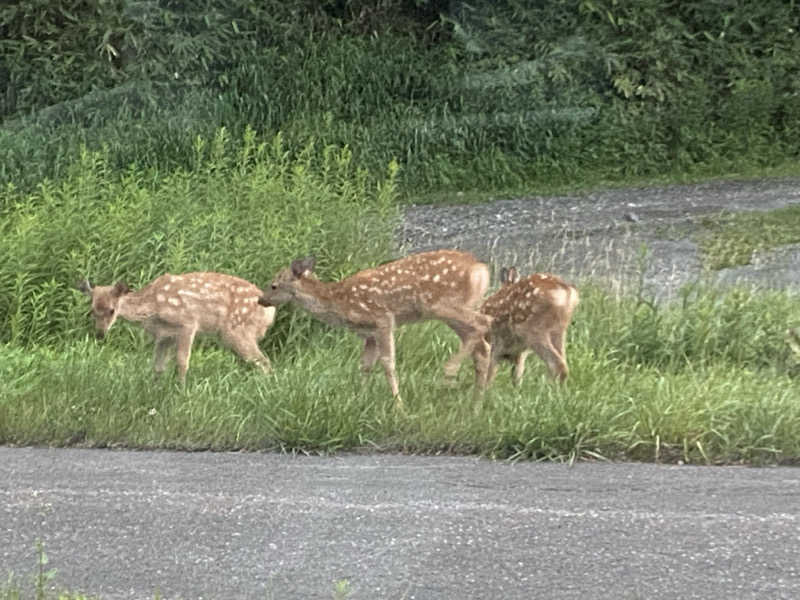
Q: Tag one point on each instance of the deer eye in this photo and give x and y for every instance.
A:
(274, 286)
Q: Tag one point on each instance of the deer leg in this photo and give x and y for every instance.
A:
(482, 357)
(470, 326)
(384, 340)
(369, 355)
(519, 367)
(184, 351)
(558, 340)
(543, 346)
(248, 349)
(160, 354)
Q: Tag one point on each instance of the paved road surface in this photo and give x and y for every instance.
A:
(124, 524)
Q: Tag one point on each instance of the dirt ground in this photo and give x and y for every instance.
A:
(614, 237)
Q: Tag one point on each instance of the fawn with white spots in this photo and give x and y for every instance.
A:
(174, 308)
(446, 285)
(530, 314)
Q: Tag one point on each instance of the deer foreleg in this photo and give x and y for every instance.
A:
(160, 354)
(384, 340)
(184, 351)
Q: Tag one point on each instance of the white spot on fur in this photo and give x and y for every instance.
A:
(160, 298)
(436, 278)
(174, 301)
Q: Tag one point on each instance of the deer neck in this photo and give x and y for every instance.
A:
(136, 306)
(320, 299)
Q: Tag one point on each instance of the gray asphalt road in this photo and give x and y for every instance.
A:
(127, 524)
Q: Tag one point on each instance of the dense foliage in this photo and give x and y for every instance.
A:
(462, 94)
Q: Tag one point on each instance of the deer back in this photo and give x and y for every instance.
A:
(412, 287)
(211, 302)
(404, 290)
(541, 297)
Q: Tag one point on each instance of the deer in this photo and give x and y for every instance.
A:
(446, 285)
(530, 314)
(174, 308)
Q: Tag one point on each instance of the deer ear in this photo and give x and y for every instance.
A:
(120, 289)
(301, 266)
(84, 286)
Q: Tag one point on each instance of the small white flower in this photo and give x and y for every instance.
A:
(152, 412)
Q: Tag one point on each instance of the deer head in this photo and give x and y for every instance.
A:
(284, 287)
(509, 275)
(105, 303)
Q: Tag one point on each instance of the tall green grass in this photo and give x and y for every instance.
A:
(247, 212)
(668, 389)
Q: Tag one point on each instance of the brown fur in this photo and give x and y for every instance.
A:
(174, 308)
(445, 284)
(530, 314)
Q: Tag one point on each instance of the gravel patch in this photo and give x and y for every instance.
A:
(614, 237)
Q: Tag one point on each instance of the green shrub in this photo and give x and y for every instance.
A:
(247, 212)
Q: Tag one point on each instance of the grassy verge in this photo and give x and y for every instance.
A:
(711, 380)
(732, 240)
(594, 180)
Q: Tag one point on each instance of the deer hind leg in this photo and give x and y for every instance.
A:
(558, 339)
(369, 355)
(160, 353)
(247, 348)
(471, 328)
(542, 344)
(249, 351)
(519, 367)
